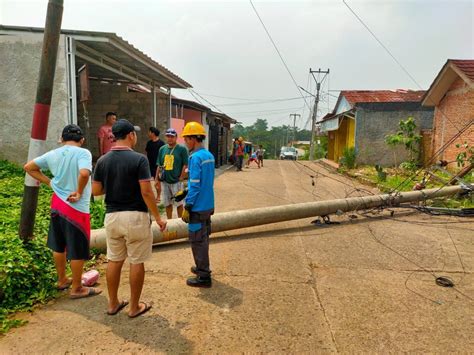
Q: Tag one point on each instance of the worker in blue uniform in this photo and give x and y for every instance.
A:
(199, 203)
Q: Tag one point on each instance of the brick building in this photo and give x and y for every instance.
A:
(452, 96)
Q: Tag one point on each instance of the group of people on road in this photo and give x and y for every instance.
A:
(239, 149)
(127, 179)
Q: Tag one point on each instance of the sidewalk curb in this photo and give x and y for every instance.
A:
(220, 171)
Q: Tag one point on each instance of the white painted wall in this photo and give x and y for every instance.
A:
(20, 54)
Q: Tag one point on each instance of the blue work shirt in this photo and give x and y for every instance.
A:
(65, 163)
(201, 181)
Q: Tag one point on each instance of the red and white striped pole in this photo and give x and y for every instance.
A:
(42, 107)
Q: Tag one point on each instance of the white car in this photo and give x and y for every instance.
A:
(288, 153)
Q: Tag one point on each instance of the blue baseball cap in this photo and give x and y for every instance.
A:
(171, 132)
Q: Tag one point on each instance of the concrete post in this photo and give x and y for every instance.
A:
(39, 129)
(226, 221)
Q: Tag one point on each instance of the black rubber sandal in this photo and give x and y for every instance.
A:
(121, 306)
(143, 311)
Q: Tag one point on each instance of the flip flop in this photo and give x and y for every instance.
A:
(91, 292)
(143, 311)
(121, 306)
(65, 286)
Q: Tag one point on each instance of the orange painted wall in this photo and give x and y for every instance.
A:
(180, 118)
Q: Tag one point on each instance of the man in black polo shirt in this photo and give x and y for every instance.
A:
(124, 176)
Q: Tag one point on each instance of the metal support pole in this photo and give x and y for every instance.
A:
(226, 221)
(294, 115)
(39, 129)
(153, 105)
(169, 111)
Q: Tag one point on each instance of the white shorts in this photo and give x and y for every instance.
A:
(168, 191)
(128, 235)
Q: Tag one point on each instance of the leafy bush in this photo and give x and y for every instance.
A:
(407, 137)
(97, 214)
(409, 165)
(348, 158)
(27, 276)
(321, 149)
(8, 169)
(27, 273)
(381, 175)
(467, 155)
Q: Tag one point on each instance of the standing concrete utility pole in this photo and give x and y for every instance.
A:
(294, 126)
(42, 106)
(315, 108)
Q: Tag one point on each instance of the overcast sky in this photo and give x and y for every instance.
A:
(221, 48)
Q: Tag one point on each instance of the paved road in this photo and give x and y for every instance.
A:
(364, 285)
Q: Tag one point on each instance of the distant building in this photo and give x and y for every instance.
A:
(217, 125)
(452, 96)
(361, 119)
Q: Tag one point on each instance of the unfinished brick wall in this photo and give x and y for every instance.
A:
(453, 112)
(425, 146)
(375, 121)
(133, 106)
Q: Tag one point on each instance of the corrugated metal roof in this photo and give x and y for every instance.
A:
(120, 50)
(369, 96)
(202, 108)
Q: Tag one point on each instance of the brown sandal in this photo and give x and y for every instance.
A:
(91, 292)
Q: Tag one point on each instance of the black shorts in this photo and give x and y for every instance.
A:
(65, 236)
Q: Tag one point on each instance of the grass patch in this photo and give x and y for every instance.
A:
(403, 180)
(27, 273)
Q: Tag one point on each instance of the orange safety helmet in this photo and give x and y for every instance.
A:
(193, 129)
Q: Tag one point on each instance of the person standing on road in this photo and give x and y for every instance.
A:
(69, 229)
(260, 151)
(252, 158)
(152, 148)
(123, 175)
(105, 135)
(172, 163)
(199, 203)
(239, 153)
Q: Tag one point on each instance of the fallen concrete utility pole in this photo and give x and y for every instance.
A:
(226, 221)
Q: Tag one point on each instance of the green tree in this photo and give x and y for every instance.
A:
(272, 138)
(408, 137)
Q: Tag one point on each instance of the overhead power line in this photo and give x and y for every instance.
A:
(279, 54)
(395, 59)
(261, 102)
(194, 93)
(459, 131)
(271, 110)
(383, 45)
(245, 98)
